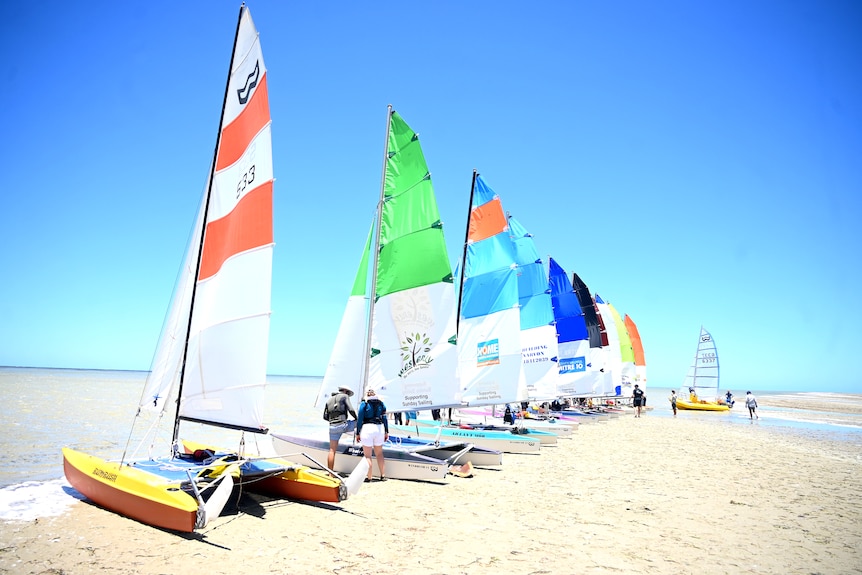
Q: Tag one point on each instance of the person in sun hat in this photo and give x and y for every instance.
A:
(335, 412)
(372, 429)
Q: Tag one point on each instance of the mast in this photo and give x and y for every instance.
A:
(375, 247)
(176, 431)
(464, 253)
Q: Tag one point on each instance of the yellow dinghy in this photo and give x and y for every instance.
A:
(702, 378)
(701, 405)
(171, 498)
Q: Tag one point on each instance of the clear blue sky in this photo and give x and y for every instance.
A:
(695, 163)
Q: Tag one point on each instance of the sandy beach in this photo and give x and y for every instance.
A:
(648, 495)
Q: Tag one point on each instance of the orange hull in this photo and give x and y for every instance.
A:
(111, 487)
(290, 485)
(296, 482)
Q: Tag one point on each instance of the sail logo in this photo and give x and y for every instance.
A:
(244, 93)
(414, 353)
(488, 353)
(573, 365)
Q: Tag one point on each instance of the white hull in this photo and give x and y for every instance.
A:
(399, 464)
(560, 428)
(489, 440)
(451, 452)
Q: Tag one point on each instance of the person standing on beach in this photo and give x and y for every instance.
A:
(672, 400)
(372, 429)
(638, 398)
(751, 404)
(335, 412)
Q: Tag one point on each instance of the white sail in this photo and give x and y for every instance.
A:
(613, 357)
(538, 335)
(225, 361)
(167, 362)
(703, 375)
(413, 362)
(627, 357)
(346, 365)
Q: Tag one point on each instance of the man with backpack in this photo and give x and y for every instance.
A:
(335, 412)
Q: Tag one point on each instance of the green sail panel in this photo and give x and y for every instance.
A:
(412, 249)
(413, 363)
(360, 284)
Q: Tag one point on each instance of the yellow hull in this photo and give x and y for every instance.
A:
(296, 482)
(701, 405)
(131, 492)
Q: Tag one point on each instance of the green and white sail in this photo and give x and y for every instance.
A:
(401, 342)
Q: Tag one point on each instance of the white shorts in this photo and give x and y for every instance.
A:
(372, 434)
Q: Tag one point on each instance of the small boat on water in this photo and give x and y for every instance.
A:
(700, 389)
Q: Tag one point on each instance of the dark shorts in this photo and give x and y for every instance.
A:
(637, 401)
(337, 429)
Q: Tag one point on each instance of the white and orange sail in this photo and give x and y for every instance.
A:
(638, 350)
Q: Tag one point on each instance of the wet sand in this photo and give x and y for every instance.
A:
(631, 495)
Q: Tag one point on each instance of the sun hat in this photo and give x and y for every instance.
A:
(346, 390)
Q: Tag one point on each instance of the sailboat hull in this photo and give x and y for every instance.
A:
(400, 464)
(452, 452)
(131, 492)
(276, 477)
(559, 428)
(302, 482)
(495, 440)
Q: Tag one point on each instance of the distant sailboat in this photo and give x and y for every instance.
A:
(700, 388)
(210, 364)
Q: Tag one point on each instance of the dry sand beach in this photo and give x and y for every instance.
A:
(649, 495)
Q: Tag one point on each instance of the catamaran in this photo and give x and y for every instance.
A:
(401, 341)
(210, 364)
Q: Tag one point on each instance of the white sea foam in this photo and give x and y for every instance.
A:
(34, 499)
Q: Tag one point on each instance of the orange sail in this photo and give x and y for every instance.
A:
(638, 348)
